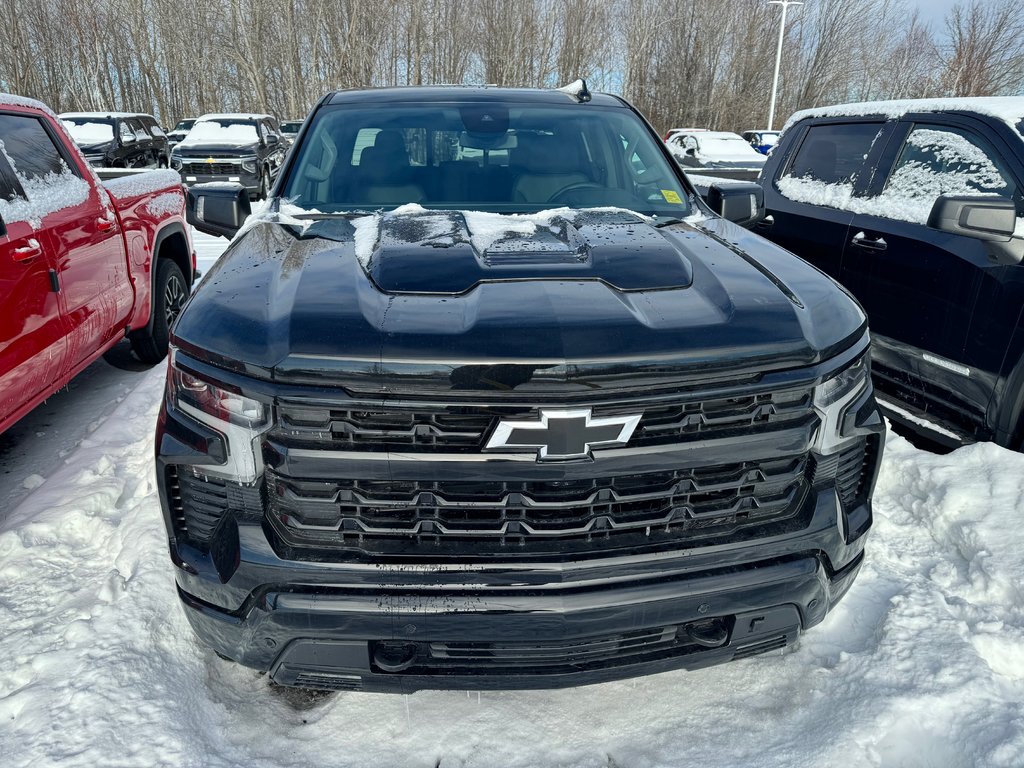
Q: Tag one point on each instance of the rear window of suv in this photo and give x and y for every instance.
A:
(482, 156)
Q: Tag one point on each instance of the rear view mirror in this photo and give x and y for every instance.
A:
(740, 202)
(988, 217)
(218, 208)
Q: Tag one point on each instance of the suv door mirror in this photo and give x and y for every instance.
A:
(740, 202)
(987, 217)
(273, 140)
(217, 208)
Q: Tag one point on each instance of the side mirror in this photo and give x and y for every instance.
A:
(127, 139)
(217, 208)
(273, 140)
(740, 202)
(988, 217)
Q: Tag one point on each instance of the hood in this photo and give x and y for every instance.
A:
(482, 301)
(207, 147)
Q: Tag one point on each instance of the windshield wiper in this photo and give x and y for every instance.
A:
(668, 222)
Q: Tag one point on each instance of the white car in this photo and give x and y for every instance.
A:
(714, 149)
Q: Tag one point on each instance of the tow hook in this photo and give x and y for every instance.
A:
(710, 633)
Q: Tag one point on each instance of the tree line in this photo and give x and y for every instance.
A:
(681, 62)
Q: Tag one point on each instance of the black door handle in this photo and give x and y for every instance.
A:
(861, 240)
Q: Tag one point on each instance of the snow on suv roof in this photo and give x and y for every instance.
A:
(232, 116)
(1009, 109)
(108, 115)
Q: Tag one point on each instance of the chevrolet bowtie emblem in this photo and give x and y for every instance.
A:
(568, 434)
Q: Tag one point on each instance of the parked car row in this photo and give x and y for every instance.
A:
(119, 139)
(718, 153)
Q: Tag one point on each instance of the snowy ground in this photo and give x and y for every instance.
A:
(921, 665)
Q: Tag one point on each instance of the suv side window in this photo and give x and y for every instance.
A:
(138, 130)
(833, 154)
(944, 160)
(125, 131)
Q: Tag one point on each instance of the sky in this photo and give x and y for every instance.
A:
(934, 10)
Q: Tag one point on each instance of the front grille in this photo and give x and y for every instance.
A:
(465, 428)
(644, 509)
(211, 169)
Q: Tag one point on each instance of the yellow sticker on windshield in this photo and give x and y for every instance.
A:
(671, 196)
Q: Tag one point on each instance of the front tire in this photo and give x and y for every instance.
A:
(169, 296)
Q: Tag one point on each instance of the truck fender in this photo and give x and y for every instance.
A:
(179, 255)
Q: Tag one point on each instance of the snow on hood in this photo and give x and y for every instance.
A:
(214, 132)
(1009, 109)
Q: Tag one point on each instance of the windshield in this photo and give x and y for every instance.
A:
(236, 132)
(184, 125)
(86, 131)
(769, 139)
(291, 127)
(482, 156)
(726, 145)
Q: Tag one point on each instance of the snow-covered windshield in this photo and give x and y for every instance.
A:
(769, 139)
(87, 131)
(726, 146)
(235, 132)
(486, 156)
(184, 125)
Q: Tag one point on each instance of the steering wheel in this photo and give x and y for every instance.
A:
(572, 188)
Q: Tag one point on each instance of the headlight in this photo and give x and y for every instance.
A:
(175, 163)
(240, 420)
(249, 164)
(833, 395)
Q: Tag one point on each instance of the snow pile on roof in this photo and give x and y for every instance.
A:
(45, 194)
(1009, 109)
(144, 183)
(922, 664)
(10, 100)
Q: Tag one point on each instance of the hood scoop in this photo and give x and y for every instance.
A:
(450, 252)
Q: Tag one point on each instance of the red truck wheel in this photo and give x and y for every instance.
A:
(169, 297)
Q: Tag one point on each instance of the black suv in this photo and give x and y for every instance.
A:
(242, 148)
(496, 401)
(118, 139)
(917, 207)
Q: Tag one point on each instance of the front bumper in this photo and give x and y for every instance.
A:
(402, 623)
(251, 181)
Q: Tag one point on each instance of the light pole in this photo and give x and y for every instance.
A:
(778, 55)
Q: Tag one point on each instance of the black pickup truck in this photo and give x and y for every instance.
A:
(489, 398)
(917, 207)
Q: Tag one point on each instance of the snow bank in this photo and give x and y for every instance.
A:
(145, 183)
(922, 664)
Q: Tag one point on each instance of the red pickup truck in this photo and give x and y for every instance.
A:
(82, 263)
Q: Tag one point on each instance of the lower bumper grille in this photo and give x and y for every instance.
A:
(406, 517)
(516, 658)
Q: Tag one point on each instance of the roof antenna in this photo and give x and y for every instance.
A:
(577, 89)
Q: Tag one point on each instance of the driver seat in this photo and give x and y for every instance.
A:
(545, 164)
